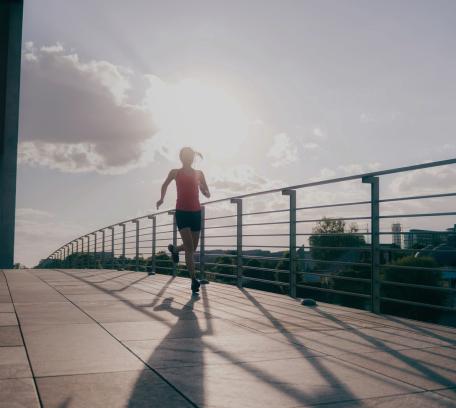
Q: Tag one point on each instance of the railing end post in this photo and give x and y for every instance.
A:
(288, 191)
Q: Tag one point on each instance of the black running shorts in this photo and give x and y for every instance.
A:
(188, 219)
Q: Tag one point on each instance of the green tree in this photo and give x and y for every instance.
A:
(402, 271)
(163, 263)
(351, 286)
(224, 265)
(329, 234)
(330, 248)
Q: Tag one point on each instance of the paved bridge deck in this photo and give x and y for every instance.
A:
(102, 338)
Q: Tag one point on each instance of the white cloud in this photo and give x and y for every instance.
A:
(326, 173)
(32, 212)
(357, 168)
(312, 138)
(310, 146)
(75, 115)
(282, 151)
(50, 48)
(319, 133)
(433, 180)
(236, 180)
(78, 116)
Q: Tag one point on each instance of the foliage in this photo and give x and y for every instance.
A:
(163, 263)
(347, 285)
(329, 234)
(428, 277)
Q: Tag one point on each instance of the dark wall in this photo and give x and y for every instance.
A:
(10, 71)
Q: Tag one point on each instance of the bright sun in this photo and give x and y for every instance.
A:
(197, 114)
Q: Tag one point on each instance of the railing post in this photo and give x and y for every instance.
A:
(123, 244)
(375, 242)
(173, 213)
(72, 253)
(88, 246)
(82, 251)
(88, 251)
(112, 246)
(95, 249)
(137, 245)
(292, 238)
(153, 265)
(77, 253)
(102, 247)
(202, 251)
(238, 202)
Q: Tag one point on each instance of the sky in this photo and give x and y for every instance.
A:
(272, 93)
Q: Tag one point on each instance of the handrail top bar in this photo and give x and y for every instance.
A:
(299, 186)
(347, 178)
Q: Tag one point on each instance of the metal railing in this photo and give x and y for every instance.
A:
(282, 248)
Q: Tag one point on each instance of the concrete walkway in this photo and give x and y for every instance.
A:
(101, 338)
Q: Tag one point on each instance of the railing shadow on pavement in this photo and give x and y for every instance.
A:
(301, 396)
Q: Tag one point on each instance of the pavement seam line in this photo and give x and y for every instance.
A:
(24, 344)
(124, 346)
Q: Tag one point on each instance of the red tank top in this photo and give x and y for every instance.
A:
(187, 185)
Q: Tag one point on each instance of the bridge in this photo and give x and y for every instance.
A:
(108, 320)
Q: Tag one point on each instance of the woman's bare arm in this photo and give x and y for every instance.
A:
(203, 186)
(164, 187)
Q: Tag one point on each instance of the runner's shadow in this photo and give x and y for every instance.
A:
(182, 346)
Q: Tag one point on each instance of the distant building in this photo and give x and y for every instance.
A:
(397, 234)
(425, 237)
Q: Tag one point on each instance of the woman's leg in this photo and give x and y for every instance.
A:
(195, 237)
(188, 247)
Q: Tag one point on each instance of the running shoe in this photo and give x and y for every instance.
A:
(195, 285)
(174, 253)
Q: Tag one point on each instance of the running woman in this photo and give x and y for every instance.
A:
(188, 209)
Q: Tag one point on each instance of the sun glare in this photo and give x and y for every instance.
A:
(197, 114)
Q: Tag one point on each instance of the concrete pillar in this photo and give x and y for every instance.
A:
(10, 71)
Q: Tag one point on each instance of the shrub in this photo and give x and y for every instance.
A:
(428, 277)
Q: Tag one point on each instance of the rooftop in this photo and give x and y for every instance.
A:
(105, 338)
